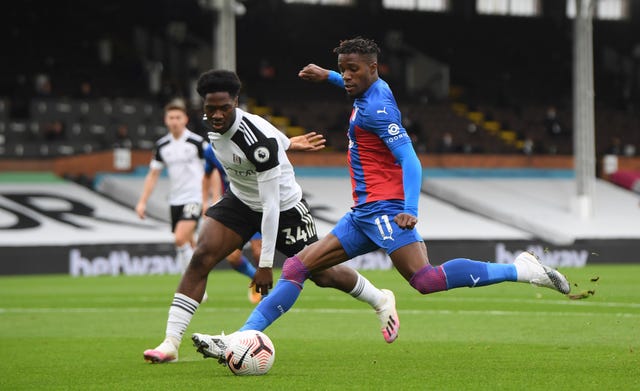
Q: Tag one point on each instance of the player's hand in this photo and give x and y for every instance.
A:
(405, 220)
(311, 141)
(140, 209)
(263, 280)
(312, 72)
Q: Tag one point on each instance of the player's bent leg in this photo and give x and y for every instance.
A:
(242, 265)
(381, 300)
(214, 244)
(281, 298)
(270, 308)
(462, 272)
(235, 258)
(339, 277)
(350, 281)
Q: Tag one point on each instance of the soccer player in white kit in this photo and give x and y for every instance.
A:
(181, 152)
(263, 197)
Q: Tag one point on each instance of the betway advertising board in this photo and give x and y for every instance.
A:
(65, 228)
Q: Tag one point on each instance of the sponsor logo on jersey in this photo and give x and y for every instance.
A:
(243, 173)
(393, 129)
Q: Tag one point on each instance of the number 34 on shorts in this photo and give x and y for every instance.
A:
(300, 235)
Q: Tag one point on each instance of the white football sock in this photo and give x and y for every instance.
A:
(180, 313)
(365, 291)
(184, 254)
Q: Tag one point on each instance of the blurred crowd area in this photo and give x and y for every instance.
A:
(84, 76)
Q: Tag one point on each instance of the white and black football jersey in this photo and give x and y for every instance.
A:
(253, 150)
(183, 158)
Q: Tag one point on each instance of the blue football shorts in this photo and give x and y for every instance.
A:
(370, 226)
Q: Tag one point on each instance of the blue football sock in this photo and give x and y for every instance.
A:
(245, 267)
(272, 306)
(465, 272)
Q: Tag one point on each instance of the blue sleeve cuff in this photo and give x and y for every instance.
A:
(335, 79)
(411, 176)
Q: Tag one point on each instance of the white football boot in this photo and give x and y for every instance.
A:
(211, 346)
(388, 316)
(530, 269)
(165, 352)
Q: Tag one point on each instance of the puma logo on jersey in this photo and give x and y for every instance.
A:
(383, 111)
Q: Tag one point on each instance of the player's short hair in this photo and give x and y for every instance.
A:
(176, 104)
(218, 80)
(358, 45)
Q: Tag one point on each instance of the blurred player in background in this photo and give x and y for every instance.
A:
(386, 176)
(214, 184)
(182, 153)
(263, 196)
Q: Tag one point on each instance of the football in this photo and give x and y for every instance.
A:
(250, 352)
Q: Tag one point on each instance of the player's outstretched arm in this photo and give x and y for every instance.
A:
(311, 141)
(313, 72)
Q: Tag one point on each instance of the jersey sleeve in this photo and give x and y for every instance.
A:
(157, 163)
(284, 140)
(270, 200)
(335, 79)
(411, 176)
(264, 154)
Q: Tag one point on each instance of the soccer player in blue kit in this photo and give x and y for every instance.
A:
(386, 177)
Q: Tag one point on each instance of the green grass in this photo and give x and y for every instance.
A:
(58, 332)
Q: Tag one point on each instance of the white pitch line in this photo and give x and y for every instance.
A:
(321, 311)
(562, 302)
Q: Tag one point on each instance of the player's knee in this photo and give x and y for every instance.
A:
(294, 270)
(202, 260)
(429, 279)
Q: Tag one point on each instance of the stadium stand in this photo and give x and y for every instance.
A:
(99, 82)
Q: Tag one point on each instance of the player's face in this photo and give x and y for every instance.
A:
(358, 71)
(220, 110)
(175, 121)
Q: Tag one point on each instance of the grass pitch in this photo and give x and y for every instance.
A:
(58, 332)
